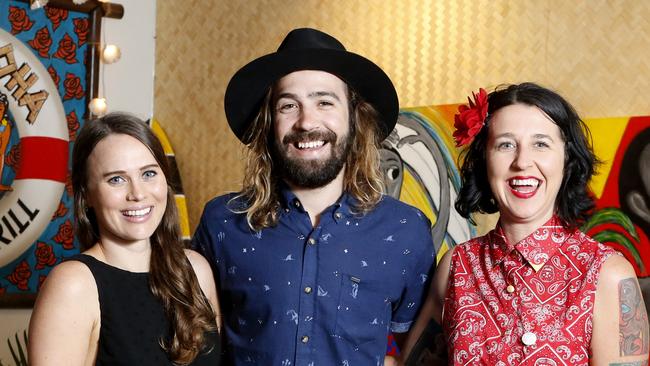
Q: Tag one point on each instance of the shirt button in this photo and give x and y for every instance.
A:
(311, 241)
(308, 290)
(304, 339)
(296, 203)
(286, 210)
(338, 215)
(529, 338)
(510, 289)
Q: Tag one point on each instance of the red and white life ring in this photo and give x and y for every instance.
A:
(26, 211)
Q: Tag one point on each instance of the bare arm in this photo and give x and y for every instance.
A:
(619, 309)
(206, 281)
(64, 326)
(432, 307)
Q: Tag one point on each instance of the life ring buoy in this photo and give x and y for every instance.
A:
(26, 210)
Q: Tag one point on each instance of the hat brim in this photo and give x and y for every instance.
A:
(247, 88)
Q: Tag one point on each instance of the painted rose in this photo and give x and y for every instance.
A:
(44, 255)
(68, 184)
(13, 158)
(54, 75)
(67, 50)
(72, 86)
(65, 236)
(56, 16)
(42, 42)
(20, 276)
(19, 20)
(60, 211)
(73, 125)
(81, 29)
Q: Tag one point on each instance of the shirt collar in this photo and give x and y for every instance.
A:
(340, 209)
(537, 248)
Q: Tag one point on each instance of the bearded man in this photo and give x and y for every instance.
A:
(314, 264)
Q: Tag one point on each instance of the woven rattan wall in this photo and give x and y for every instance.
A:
(594, 52)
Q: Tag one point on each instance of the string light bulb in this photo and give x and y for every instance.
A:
(35, 4)
(111, 53)
(98, 106)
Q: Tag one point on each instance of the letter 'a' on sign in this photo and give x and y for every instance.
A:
(40, 121)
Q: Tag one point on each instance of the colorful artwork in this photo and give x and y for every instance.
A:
(42, 100)
(419, 161)
(622, 191)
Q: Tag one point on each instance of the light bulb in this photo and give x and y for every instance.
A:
(97, 106)
(79, 2)
(35, 4)
(111, 53)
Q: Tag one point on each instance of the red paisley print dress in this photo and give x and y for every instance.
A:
(530, 303)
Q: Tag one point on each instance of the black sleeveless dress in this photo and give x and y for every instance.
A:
(133, 320)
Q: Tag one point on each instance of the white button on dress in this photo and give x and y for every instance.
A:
(529, 338)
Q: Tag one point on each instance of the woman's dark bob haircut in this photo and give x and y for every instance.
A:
(574, 202)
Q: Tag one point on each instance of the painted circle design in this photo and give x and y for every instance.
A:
(27, 209)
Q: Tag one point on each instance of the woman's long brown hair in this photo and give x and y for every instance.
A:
(171, 277)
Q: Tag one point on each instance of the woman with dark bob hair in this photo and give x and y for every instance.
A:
(134, 296)
(535, 287)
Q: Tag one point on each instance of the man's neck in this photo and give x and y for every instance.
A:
(316, 200)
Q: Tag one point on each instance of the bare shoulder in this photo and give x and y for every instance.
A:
(64, 324)
(615, 269)
(441, 279)
(70, 279)
(202, 270)
(199, 264)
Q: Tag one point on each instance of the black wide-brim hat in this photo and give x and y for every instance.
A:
(308, 49)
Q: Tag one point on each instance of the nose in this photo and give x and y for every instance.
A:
(136, 192)
(522, 160)
(307, 119)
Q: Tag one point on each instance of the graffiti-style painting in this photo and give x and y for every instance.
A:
(42, 102)
(622, 191)
(419, 162)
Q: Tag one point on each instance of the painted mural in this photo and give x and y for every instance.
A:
(42, 101)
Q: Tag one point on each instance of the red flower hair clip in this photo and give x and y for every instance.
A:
(470, 118)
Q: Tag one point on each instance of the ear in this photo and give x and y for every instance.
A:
(638, 205)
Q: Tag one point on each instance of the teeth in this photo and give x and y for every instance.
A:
(142, 212)
(524, 182)
(310, 144)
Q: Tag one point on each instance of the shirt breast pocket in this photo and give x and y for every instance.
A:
(363, 312)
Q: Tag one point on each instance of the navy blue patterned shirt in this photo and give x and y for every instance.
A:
(297, 295)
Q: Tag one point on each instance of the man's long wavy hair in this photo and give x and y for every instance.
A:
(171, 277)
(260, 196)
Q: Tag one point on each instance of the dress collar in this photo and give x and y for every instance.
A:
(537, 248)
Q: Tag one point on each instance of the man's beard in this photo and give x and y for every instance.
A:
(311, 173)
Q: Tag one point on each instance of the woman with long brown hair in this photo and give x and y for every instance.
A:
(134, 296)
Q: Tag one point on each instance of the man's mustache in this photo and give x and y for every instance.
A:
(303, 136)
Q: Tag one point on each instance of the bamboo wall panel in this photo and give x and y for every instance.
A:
(436, 52)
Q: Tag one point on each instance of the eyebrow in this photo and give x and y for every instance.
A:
(117, 172)
(537, 136)
(310, 95)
